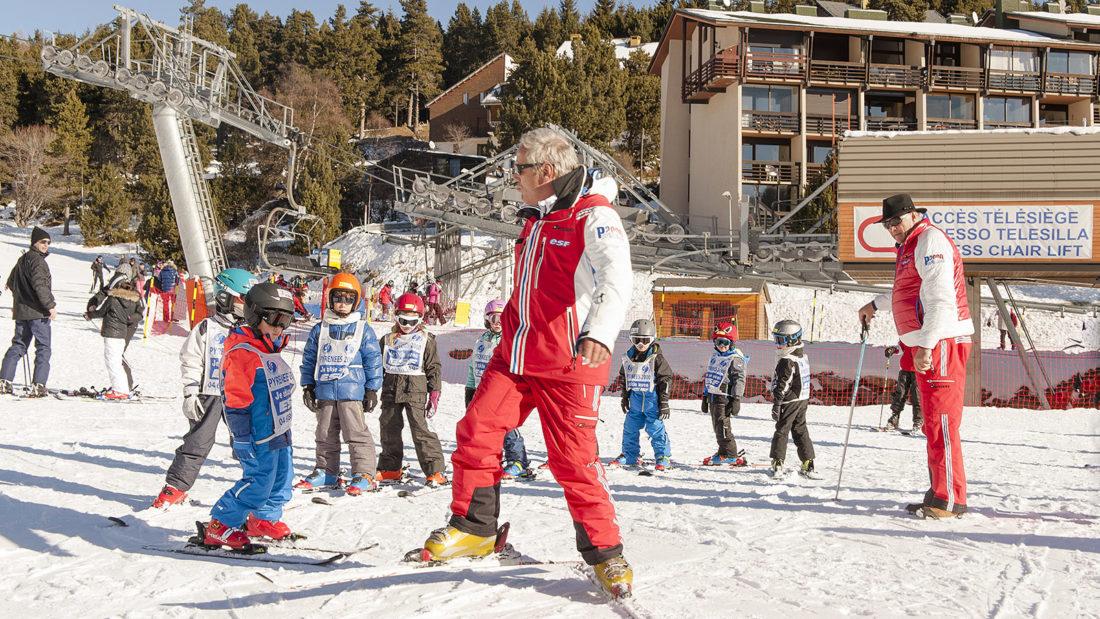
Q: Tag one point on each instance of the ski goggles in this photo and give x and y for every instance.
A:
(275, 318)
(408, 321)
(493, 319)
(641, 340)
(722, 341)
(344, 296)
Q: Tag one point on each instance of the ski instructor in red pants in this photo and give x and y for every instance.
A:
(573, 283)
(930, 312)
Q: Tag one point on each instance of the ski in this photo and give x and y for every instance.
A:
(294, 546)
(256, 553)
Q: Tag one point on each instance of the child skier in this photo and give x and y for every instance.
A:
(724, 385)
(201, 367)
(647, 381)
(515, 451)
(121, 308)
(258, 386)
(410, 386)
(791, 395)
(341, 376)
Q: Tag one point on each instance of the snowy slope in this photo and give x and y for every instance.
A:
(703, 542)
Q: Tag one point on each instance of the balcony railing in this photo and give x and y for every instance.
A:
(1014, 81)
(770, 171)
(772, 65)
(814, 170)
(1005, 124)
(1070, 84)
(1095, 114)
(956, 78)
(715, 74)
(941, 124)
(1054, 122)
(895, 76)
(836, 72)
(890, 123)
(769, 122)
(823, 124)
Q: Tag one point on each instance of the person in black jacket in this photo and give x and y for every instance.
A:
(904, 389)
(33, 307)
(121, 308)
(790, 397)
(97, 274)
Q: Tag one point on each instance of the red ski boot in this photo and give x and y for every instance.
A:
(256, 527)
(168, 497)
(218, 534)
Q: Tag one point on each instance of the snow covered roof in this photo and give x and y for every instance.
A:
(1040, 130)
(509, 65)
(839, 9)
(923, 30)
(1070, 19)
(716, 285)
(623, 50)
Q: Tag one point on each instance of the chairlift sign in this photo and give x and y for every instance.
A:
(991, 232)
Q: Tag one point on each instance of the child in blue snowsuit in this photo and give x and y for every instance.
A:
(647, 380)
(257, 385)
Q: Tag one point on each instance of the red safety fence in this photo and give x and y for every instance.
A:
(1074, 380)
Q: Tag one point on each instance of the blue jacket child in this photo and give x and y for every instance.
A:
(647, 380)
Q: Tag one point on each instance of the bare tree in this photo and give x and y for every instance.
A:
(318, 110)
(456, 133)
(26, 162)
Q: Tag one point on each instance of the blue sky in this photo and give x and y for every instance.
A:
(74, 16)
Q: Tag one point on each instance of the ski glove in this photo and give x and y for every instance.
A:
(433, 404)
(243, 449)
(370, 400)
(192, 408)
(706, 403)
(891, 351)
(665, 411)
(733, 407)
(625, 403)
(310, 398)
(775, 411)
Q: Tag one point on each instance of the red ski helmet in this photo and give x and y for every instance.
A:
(410, 302)
(725, 329)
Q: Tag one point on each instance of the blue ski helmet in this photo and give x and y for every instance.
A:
(232, 284)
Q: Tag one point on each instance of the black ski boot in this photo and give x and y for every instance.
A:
(5, 387)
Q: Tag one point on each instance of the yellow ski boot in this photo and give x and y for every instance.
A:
(450, 543)
(615, 576)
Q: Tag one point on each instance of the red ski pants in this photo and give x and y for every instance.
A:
(568, 413)
(941, 395)
(167, 305)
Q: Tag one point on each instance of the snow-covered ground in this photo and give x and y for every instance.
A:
(703, 542)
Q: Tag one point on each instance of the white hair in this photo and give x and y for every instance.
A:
(545, 145)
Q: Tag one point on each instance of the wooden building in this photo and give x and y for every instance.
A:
(685, 307)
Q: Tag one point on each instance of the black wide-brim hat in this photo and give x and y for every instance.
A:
(897, 205)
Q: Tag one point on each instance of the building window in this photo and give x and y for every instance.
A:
(1014, 59)
(826, 102)
(888, 51)
(766, 150)
(818, 152)
(764, 197)
(1053, 115)
(890, 105)
(1013, 110)
(1077, 63)
(953, 107)
(465, 98)
(768, 99)
(947, 55)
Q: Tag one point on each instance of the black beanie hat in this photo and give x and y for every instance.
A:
(38, 234)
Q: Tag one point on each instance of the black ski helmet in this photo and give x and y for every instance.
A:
(266, 297)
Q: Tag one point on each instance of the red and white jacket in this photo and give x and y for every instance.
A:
(573, 279)
(929, 295)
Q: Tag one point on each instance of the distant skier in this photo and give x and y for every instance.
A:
(434, 298)
(33, 309)
(166, 283)
(410, 388)
(723, 388)
(97, 274)
(516, 463)
(258, 387)
(790, 398)
(904, 390)
(121, 309)
(647, 381)
(341, 376)
(385, 299)
(201, 367)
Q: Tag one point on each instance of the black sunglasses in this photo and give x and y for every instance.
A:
(278, 319)
(893, 222)
(518, 168)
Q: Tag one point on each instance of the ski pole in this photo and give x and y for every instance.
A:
(852, 409)
(813, 316)
(882, 396)
(26, 371)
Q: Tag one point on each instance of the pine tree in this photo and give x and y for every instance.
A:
(463, 44)
(901, 10)
(105, 217)
(536, 94)
(268, 31)
(9, 86)
(243, 42)
(319, 192)
(347, 54)
(299, 39)
(659, 15)
(71, 144)
(570, 18)
(158, 232)
(506, 28)
(395, 89)
(603, 17)
(547, 31)
(599, 116)
(642, 138)
(421, 58)
(209, 23)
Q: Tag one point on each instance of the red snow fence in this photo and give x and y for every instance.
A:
(1068, 380)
